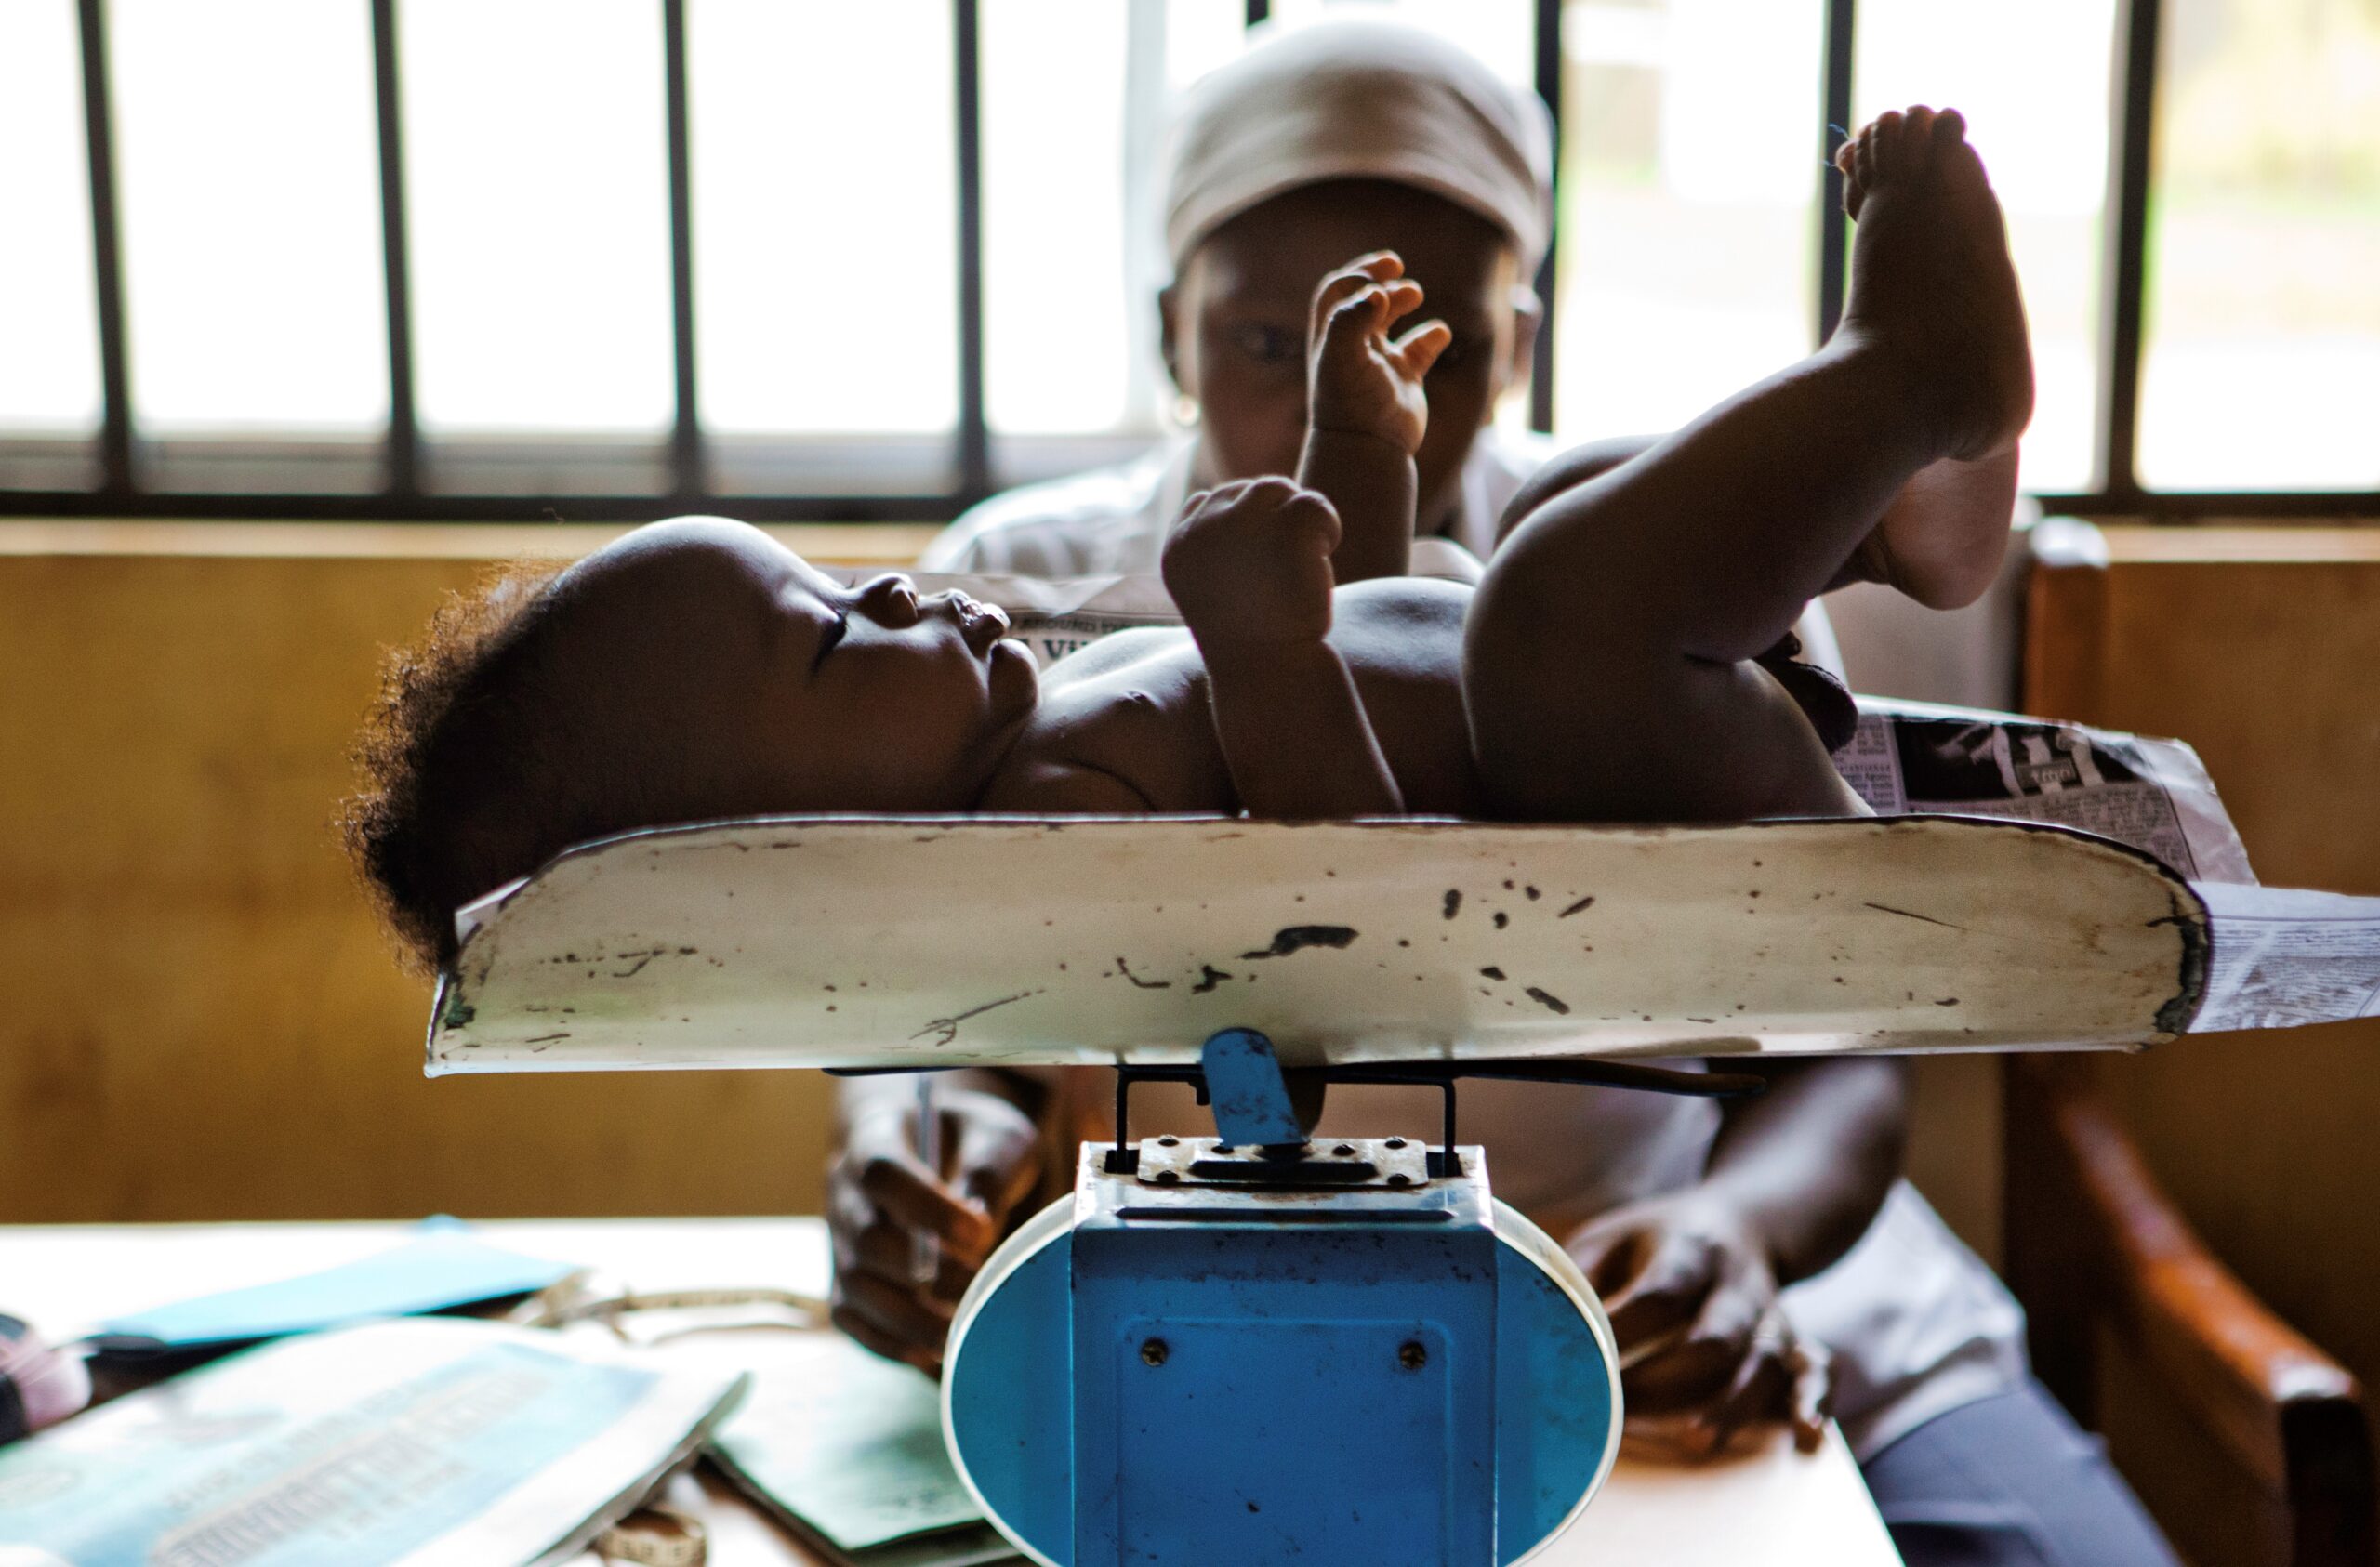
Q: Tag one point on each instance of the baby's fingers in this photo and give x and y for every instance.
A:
(1355, 319)
(1310, 510)
(1364, 271)
(1420, 349)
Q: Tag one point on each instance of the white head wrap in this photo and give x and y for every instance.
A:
(1359, 99)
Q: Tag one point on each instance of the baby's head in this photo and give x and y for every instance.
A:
(692, 669)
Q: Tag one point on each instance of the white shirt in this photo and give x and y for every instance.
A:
(1917, 1325)
(1111, 521)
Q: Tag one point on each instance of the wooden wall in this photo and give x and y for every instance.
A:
(198, 1017)
(2262, 647)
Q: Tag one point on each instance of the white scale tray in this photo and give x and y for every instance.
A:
(877, 941)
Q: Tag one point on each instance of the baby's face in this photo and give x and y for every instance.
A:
(767, 686)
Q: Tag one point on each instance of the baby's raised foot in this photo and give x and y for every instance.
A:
(1931, 279)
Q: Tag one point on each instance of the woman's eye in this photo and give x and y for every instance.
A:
(1267, 345)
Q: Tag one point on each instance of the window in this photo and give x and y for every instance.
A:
(2031, 76)
(254, 316)
(492, 258)
(50, 396)
(2264, 256)
(1689, 186)
(821, 133)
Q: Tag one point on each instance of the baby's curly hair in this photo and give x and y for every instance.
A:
(473, 763)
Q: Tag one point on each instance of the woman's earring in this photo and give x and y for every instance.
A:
(1185, 410)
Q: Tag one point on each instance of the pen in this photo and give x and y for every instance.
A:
(926, 1260)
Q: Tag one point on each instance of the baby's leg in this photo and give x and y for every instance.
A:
(1607, 661)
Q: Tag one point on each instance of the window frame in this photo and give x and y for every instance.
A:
(139, 478)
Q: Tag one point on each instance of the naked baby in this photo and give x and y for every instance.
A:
(1606, 669)
(1619, 662)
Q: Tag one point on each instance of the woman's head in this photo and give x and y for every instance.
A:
(691, 669)
(1322, 143)
(1235, 321)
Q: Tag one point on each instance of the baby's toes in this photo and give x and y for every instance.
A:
(1879, 146)
(1866, 155)
(1916, 138)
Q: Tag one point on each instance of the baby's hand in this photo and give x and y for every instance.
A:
(1251, 562)
(1359, 381)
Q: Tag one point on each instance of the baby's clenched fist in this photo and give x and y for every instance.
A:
(1251, 562)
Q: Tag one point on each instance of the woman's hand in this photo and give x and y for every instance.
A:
(1707, 1349)
(881, 1200)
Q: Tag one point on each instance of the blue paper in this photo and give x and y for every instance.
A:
(447, 1268)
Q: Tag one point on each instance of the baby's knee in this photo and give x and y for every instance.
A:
(1569, 470)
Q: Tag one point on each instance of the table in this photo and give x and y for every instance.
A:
(1772, 1507)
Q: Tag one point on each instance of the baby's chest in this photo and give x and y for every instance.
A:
(1147, 724)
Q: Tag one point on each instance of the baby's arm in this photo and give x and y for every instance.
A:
(1366, 410)
(1250, 566)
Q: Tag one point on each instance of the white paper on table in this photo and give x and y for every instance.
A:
(430, 1442)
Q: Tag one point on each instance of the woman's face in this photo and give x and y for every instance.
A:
(1234, 322)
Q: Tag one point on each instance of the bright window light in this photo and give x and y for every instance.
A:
(1200, 35)
(2262, 362)
(49, 338)
(250, 188)
(1689, 179)
(536, 185)
(1502, 32)
(1057, 342)
(825, 217)
(2031, 77)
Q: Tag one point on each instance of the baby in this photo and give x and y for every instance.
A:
(1616, 664)
(1607, 668)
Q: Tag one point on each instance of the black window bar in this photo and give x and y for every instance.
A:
(404, 436)
(106, 262)
(406, 493)
(1834, 120)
